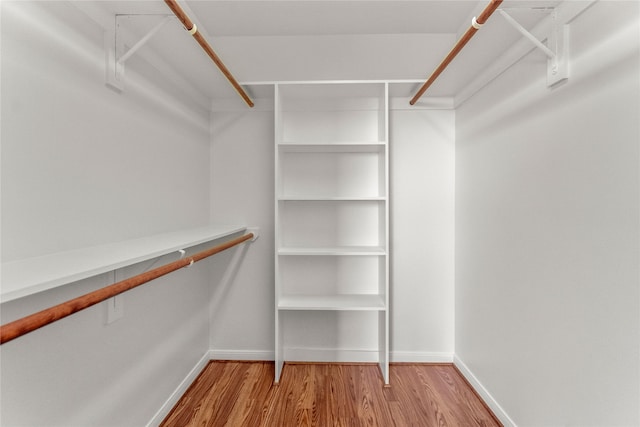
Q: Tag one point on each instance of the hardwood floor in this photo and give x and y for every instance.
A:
(346, 395)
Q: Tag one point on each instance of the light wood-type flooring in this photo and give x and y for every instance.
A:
(347, 395)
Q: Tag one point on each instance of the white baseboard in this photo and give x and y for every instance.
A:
(309, 354)
(179, 391)
(484, 393)
(420, 357)
(366, 356)
(332, 355)
(241, 355)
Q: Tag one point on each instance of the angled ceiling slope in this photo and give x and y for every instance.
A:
(267, 40)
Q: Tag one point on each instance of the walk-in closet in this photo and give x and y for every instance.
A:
(320, 212)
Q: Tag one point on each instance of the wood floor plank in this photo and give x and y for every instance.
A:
(324, 395)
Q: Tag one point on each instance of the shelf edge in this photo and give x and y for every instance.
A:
(41, 276)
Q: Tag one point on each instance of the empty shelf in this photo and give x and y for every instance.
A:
(331, 302)
(341, 250)
(29, 276)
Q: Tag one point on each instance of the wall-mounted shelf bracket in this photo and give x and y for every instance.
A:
(558, 66)
(117, 53)
(255, 231)
(556, 49)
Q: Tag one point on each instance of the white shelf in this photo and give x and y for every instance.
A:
(334, 251)
(332, 171)
(330, 199)
(331, 302)
(30, 276)
(332, 209)
(335, 147)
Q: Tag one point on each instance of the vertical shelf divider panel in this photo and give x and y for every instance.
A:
(279, 350)
(332, 216)
(383, 328)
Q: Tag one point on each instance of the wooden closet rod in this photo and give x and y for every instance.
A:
(193, 30)
(475, 26)
(30, 323)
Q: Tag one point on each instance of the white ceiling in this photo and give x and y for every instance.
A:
(267, 40)
(329, 17)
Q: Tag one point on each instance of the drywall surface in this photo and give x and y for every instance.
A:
(82, 371)
(422, 234)
(242, 191)
(547, 231)
(83, 165)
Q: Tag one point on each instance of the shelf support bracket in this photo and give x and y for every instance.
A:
(255, 231)
(116, 55)
(558, 39)
(515, 24)
(558, 66)
(144, 39)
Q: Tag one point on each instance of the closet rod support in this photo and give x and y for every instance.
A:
(255, 231)
(475, 24)
(515, 24)
(144, 40)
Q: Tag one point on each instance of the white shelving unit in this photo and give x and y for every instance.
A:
(332, 215)
(29, 276)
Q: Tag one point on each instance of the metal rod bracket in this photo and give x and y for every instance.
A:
(556, 49)
(255, 231)
(527, 34)
(558, 66)
(117, 53)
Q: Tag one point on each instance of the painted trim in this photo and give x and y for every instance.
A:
(319, 355)
(179, 391)
(231, 105)
(400, 92)
(428, 103)
(331, 355)
(330, 81)
(241, 355)
(420, 357)
(483, 392)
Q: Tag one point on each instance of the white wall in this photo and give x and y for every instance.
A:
(422, 229)
(242, 191)
(83, 165)
(547, 231)
(70, 145)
